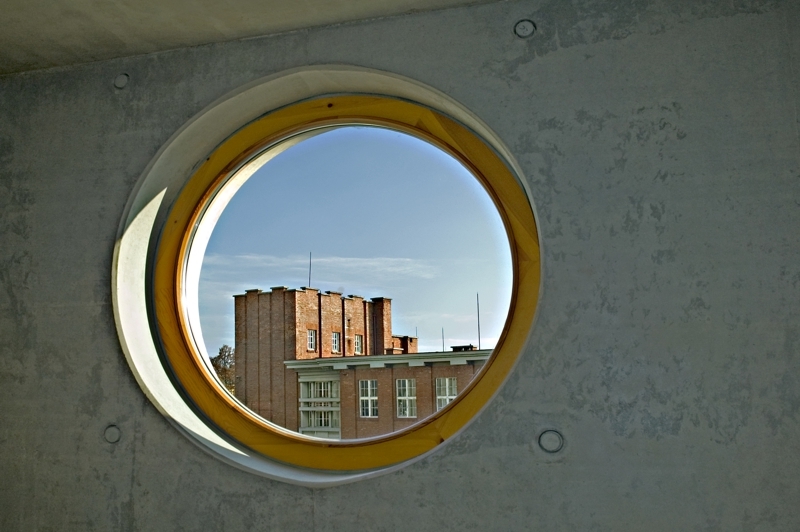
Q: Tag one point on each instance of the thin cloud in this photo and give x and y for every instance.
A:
(335, 269)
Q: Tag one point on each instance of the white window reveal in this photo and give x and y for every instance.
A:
(445, 391)
(319, 409)
(359, 346)
(336, 342)
(406, 397)
(312, 340)
(368, 397)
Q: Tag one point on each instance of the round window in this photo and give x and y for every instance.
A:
(388, 215)
(319, 379)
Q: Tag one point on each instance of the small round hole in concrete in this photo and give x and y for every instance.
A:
(112, 434)
(551, 441)
(524, 28)
(121, 80)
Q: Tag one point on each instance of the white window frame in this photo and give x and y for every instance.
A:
(368, 397)
(336, 342)
(311, 340)
(359, 344)
(320, 406)
(446, 391)
(406, 394)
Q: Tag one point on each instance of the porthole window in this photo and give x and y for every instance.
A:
(192, 392)
(388, 215)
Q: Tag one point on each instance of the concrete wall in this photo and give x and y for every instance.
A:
(660, 142)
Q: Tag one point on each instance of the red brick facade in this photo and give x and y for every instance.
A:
(300, 328)
(265, 337)
(356, 426)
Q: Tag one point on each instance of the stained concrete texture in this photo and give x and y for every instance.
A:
(45, 34)
(659, 140)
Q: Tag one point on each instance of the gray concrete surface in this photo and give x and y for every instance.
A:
(660, 140)
(39, 34)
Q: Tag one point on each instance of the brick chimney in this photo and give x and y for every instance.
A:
(382, 325)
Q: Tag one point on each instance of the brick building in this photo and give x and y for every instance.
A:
(327, 365)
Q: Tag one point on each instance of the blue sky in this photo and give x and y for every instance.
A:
(383, 214)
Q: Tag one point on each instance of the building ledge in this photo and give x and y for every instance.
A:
(382, 361)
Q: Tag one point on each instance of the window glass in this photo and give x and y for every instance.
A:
(312, 340)
(359, 344)
(445, 391)
(406, 398)
(319, 409)
(353, 240)
(368, 397)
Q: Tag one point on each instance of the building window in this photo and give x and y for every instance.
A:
(336, 344)
(312, 340)
(359, 348)
(368, 398)
(319, 409)
(406, 397)
(445, 391)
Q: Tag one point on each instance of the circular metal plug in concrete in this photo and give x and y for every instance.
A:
(551, 441)
(524, 28)
(121, 80)
(112, 434)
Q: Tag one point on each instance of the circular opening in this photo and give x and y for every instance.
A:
(388, 215)
(172, 270)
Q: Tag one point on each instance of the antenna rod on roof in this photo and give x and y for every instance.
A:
(309, 269)
(478, 299)
(442, 339)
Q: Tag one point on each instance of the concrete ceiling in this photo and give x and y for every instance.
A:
(38, 34)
